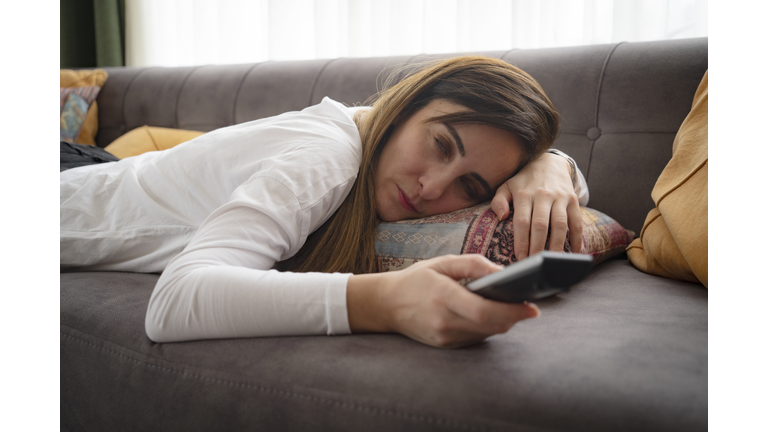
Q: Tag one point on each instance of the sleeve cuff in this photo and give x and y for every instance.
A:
(579, 182)
(337, 319)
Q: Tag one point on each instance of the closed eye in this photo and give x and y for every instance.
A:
(441, 147)
(470, 190)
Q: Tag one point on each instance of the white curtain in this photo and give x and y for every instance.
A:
(195, 32)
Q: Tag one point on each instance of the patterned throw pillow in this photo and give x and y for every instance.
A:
(74, 103)
(85, 78)
(478, 230)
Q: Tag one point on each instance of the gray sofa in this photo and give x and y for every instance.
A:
(622, 351)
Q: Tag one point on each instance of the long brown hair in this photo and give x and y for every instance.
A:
(494, 92)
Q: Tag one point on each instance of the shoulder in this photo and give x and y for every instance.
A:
(328, 125)
(315, 151)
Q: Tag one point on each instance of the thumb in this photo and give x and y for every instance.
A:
(500, 202)
(464, 266)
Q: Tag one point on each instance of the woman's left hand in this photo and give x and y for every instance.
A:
(542, 196)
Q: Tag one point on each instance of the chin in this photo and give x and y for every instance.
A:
(388, 218)
(389, 214)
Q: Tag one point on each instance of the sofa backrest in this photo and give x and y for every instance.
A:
(621, 104)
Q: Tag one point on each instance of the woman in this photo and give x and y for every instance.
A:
(216, 214)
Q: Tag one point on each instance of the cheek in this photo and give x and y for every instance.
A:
(450, 201)
(407, 162)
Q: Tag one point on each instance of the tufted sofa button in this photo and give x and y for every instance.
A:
(593, 133)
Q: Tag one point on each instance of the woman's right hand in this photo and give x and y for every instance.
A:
(425, 303)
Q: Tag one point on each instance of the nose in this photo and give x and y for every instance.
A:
(434, 183)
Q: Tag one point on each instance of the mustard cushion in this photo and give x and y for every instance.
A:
(674, 241)
(149, 138)
(85, 78)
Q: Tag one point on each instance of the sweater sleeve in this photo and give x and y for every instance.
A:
(580, 186)
(220, 286)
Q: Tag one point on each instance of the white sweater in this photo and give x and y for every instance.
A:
(214, 215)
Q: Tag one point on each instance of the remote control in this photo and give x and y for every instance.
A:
(536, 277)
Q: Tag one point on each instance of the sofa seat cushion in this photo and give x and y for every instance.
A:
(623, 350)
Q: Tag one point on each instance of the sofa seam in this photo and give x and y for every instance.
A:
(191, 126)
(621, 132)
(617, 132)
(597, 104)
(505, 54)
(316, 80)
(178, 95)
(348, 405)
(125, 95)
(239, 88)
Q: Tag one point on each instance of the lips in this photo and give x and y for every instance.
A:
(404, 201)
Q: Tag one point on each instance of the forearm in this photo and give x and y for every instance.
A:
(365, 303)
(217, 301)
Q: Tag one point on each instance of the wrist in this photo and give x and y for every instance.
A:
(570, 164)
(366, 305)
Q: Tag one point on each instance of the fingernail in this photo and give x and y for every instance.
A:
(533, 310)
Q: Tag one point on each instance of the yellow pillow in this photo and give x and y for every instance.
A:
(149, 138)
(673, 242)
(85, 78)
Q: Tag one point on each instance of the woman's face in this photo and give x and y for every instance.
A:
(428, 168)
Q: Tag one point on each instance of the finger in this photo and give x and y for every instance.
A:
(542, 209)
(500, 202)
(576, 226)
(558, 226)
(459, 267)
(521, 225)
(488, 316)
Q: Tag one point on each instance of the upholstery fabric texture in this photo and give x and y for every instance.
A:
(149, 138)
(85, 78)
(478, 230)
(621, 351)
(674, 239)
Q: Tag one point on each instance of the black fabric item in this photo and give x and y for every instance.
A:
(77, 155)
